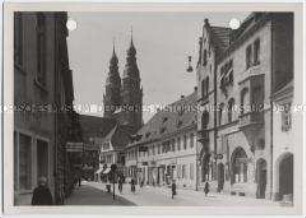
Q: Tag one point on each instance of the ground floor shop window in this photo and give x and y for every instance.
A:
(25, 162)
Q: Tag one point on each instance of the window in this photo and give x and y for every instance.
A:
(230, 110)
(205, 58)
(178, 143)
(256, 52)
(173, 145)
(42, 158)
(25, 162)
(185, 142)
(203, 88)
(205, 119)
(18, 38)
(192, 140)
(249, 57)
(221, 106)
(153, 150)
(286, 118)
(41, 49)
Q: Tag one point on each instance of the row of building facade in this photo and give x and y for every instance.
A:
(50, 139)
(235, 129)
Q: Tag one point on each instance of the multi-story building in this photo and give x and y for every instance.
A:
(43, 96)
(238, 73)
(165, 148)
(283, 149)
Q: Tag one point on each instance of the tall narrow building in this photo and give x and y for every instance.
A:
(131, 93)
(112, 99)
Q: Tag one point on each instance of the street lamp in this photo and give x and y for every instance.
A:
(189, 68)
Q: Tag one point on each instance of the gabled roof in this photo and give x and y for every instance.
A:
(93, 126)
(170, 120)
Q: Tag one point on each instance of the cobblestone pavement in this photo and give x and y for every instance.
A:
(90, 195)
(161, 196)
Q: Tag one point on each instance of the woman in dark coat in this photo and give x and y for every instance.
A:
(42, 194)
(206, 188)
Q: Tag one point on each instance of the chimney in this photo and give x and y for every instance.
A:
(195, 88)
(182, 96)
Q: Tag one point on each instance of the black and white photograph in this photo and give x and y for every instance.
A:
(155, 108)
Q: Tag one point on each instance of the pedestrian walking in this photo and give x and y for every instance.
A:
(133, 188)
(42, 194)
(120, 184)
(173, 189)
(206, 188)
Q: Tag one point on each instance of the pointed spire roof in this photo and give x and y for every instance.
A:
(113, 73)
(114, 58)
(132, 50)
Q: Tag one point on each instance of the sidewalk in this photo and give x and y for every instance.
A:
(89, 195)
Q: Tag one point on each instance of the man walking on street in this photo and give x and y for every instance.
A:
(42, 194)
(133, 188)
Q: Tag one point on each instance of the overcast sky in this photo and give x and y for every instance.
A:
(163, 42)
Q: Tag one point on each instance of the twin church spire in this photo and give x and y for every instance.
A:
(125, 92)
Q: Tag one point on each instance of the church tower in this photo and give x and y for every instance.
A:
(131, 92)
(112, 96)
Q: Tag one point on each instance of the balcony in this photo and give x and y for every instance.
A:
(203, 136)
(251, 120)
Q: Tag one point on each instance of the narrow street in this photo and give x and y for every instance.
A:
(93, 193)
(89, 195)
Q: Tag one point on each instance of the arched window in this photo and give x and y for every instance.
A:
(220, 113)
(205, 119)
(239, 166)
(231, 104)
(244, 94)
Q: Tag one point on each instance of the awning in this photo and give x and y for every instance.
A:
(99, 171)
(107, 171)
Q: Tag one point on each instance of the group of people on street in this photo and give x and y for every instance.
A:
(42, 194)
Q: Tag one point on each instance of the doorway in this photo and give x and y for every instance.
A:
(286, 176)
(261, 171)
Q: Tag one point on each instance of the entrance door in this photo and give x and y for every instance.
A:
(286, 176)
(220, 177)
(261, 178)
